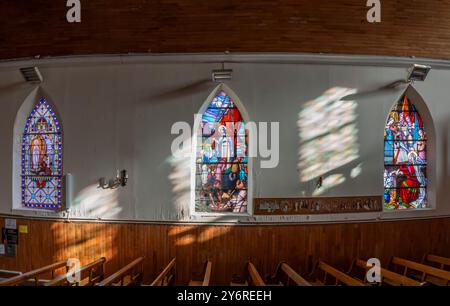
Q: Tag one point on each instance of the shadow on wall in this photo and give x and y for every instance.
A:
(183, 91)
(96, 202)
(180, 178)
(328, 140)
(88, 242)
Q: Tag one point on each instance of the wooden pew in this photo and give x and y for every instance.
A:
(426, 273)
(167, 275)
(339, 277)
(387, 277)
(286, 273)
(34, 275)
(252, 277)
(204, 281)
(4, 274)
(442, 262)
(130, 275)
(90, 274)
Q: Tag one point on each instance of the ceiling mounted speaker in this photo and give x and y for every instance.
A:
(418, 72)
(31, 74)
(221, 75)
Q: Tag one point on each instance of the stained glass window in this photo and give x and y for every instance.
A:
(42, 159)
(221, 160)
(405, 158)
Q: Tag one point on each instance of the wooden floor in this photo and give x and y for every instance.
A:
(266, 246)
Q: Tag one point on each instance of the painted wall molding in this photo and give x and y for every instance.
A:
(247, 58)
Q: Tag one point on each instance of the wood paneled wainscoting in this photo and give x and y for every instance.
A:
(228, 246)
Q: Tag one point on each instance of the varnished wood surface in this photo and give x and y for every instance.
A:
(254, 276)
(163, 278)
(89, 274)
(388, 276)
(128, 270)
(206, 277)
(407, 28)
(341, 277)
(425, 270)
(34, 274)
(442, 262)
(227, 246)
(300, 281)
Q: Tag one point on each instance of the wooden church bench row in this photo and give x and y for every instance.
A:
(251, 277)
(422, 272)
(32, 277)
(285, 276)
(322, 272)
(414, 274)
(167, 275)
(89, 275)
(130, 275)
(442, 262)
(204, 278)
(388, 277)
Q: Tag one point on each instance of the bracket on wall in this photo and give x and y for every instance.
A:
(121, 179)
(223, 74)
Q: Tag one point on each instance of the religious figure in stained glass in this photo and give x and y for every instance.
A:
(42, 159)
(221, 159)
(405, 159)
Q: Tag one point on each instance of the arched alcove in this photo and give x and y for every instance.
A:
(37, 155)
(221, 166)
(409, 150)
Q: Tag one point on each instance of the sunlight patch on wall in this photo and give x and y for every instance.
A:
(180, 177)
(356, 171)
(96, 202)
(187, 235)
(329, 182)
(328, 136)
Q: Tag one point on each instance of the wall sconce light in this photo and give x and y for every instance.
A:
(223, 74)
(418, 73)
(121, 179)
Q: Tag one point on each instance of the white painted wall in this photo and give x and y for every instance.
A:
(119, 116)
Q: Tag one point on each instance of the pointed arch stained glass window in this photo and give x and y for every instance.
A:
(221, 159)
(405, 158)
(42, 159)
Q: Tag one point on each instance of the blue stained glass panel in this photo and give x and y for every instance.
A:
(42, 159)
(221, 158)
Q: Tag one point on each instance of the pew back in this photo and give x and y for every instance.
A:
(167, 276)
(428, 273)
(130, 275)
(442, 262)
(285, 272)
(90, 274)
(388, 277)
(339, 277)
(34, 274)
(205, 278)
(254, 277)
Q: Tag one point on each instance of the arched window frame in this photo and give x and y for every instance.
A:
(26, 110)
(195, 130)
(416, 99)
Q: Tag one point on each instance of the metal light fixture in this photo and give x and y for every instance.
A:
(418, 73)
(223, 74)
(120, 180)
(32, 74)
